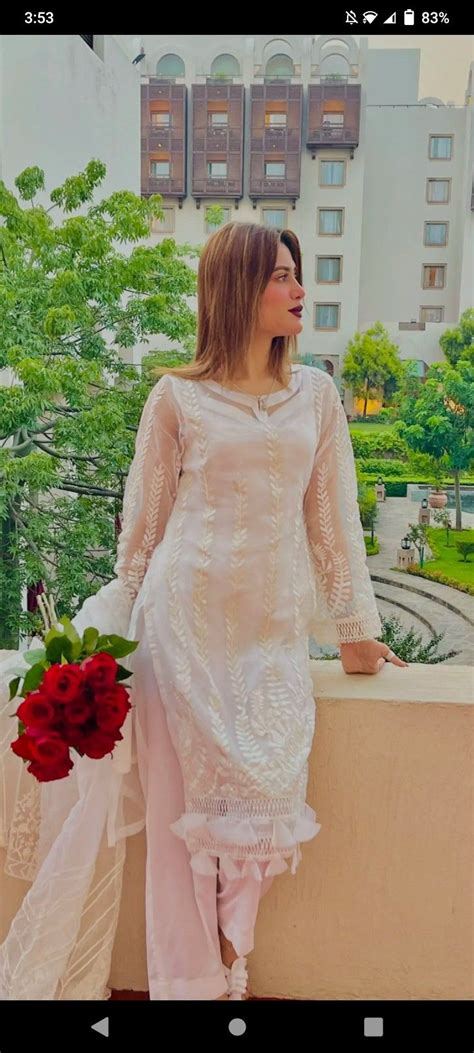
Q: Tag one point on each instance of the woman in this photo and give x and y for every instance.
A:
(241, 537)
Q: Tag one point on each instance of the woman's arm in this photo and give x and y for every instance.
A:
(346, 608)
(150, 492)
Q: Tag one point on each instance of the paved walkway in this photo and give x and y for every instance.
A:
(425, 605)
(431, 606)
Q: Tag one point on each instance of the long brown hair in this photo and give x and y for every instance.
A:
(235, 267)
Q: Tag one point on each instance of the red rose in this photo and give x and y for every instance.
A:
(36, 710)
(63, 683)
(50, 772)
(79, 711)
(100, 670)
(22, 746)
(112, 708)
(98, 743)
(48, 748)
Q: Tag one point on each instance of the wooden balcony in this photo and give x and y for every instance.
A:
(280, 142)
(337, 135)
(165, 185)
(159, 141)
(219, 142)
(341, 99)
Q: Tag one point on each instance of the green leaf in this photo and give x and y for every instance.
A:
(122, 673)
(69, 630)
(118, 646)
(58, 647)
(73, 636)
(14, 685)
(31, 657)
(89, 640)
(33, 678)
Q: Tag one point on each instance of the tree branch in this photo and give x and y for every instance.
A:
(64, 456)
(89, 491)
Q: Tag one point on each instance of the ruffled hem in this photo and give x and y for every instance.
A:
(240, 844)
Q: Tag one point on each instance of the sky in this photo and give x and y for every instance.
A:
(444, 62)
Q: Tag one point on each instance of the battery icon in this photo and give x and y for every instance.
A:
(409, 17)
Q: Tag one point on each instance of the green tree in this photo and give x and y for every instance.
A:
(370, 363)
(418, 536)
(440, 421)
(458, 343)
(73, 296)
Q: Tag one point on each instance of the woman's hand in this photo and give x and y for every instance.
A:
(367, 656)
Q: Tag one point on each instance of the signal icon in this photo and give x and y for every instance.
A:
(392, 20)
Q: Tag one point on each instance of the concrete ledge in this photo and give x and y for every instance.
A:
(381, 906)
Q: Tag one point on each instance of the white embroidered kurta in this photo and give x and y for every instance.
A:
(242, 537)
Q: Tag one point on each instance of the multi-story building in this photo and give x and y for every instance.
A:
(330, 139)
(65, 100)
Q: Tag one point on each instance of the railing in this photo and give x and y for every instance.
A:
(332, 135)
(218, 78)
(282, 137)
(334, 78)
(224, 187)
(163, 185)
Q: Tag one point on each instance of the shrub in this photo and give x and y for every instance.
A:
(466, 548)
(381, 466)
(437, 575)
(370, 548)
(388, 446)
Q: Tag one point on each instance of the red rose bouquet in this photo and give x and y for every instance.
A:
(73, 698)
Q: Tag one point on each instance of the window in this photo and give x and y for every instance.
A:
(438, 191)
(225, 66)
(275, 120)
(333, 120)
(217, 169)
(217, 120)
(434, 276)
(330, 220)
(431, 314)
(280, 66)
(211, 227)
(170, 66)
(326, 315)
(441, 147)
(274, 169)
(165, 225)
(436, 233)
(328, 268)
(275, 217)
(160, 169)
(332, 173)
(161, 119)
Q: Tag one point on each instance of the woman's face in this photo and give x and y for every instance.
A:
(281, 305)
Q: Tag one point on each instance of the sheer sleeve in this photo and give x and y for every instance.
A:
(346, 610)
(151, 486)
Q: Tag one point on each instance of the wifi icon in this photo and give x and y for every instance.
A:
(369, 16)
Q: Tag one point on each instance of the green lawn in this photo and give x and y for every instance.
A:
(450, 561)
(371, 429)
